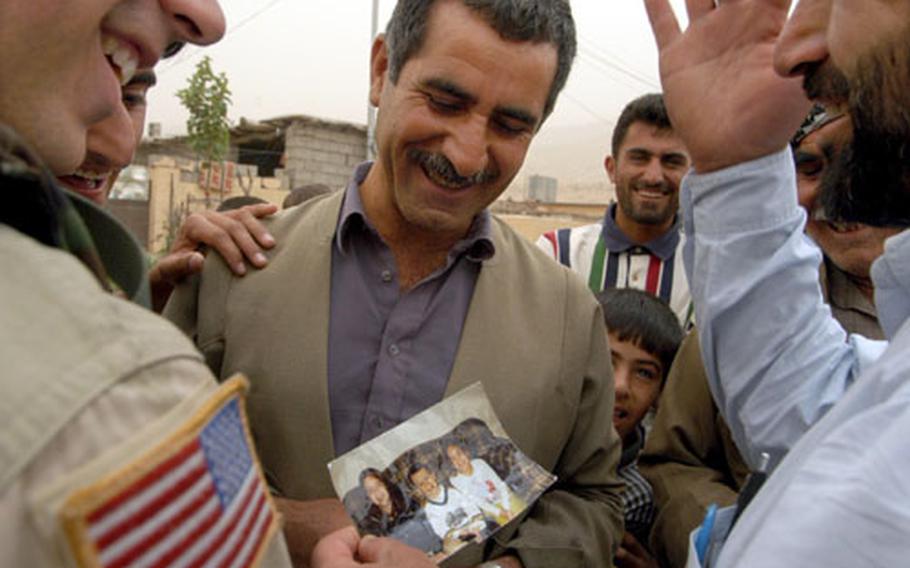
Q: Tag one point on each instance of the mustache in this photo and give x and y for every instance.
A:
(825, 81)
(440, 169)
(662, 186)
(97, 163)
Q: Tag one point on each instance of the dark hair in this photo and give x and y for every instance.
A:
(371, 472)
(537, 21)
(239, 201)
(645, 320)
(458, 444)
(375, 519)
(417, 467)
(300, 194)
(649, 109)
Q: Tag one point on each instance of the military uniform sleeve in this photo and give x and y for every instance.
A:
(110, 419)
(689, 458)
(119, 416)
(579, 521)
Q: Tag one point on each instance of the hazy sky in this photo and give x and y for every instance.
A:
(308, 57)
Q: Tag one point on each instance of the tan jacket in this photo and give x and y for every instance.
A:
(689, 458)
(84, 374)
(533, 335)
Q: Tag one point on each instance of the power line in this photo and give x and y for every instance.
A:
(613, 71)
(607, 59)
(586, 108)
(610, 74)
(191, 52)
(606, 53)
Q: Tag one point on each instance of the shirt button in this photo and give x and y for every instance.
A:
(386, 276)
(394, 351)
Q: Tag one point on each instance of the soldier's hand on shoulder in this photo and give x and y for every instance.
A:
(238, 236)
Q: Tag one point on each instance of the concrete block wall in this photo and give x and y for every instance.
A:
(174, 193)
(323, 152)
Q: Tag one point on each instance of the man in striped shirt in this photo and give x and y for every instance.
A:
(638, 244)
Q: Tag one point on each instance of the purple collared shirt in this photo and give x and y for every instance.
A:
(391, 353)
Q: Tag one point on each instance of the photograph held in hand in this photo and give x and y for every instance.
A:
(448, 477)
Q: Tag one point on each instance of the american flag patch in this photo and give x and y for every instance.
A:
(197, 499)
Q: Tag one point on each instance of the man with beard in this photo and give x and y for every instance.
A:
(638, 244)
(849, 248)
(381, 300)
(830, 413)
(690, 458)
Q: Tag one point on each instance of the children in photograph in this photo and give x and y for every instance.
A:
(391, 514)
(644, 336)
(447, 479)
(475, 477)
(387, 505)
(454, 516)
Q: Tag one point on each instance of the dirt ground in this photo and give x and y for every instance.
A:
(531, 227)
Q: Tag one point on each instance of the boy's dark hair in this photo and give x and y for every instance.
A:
(304, 193)
(238, 201)
(643, 319)
(548, 21)
(649, 109)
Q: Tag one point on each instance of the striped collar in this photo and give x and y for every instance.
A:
(663, 247)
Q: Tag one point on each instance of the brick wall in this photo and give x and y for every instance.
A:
(323, 152)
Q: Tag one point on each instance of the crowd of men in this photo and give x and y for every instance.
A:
(129, 441)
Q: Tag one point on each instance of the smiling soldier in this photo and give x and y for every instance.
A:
(95, 390)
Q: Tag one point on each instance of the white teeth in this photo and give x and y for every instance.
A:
(94, 176)
(844, 227)
(123, 57)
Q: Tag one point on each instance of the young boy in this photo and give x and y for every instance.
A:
(644, 335)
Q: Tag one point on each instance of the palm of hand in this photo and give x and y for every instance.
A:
(723, 95)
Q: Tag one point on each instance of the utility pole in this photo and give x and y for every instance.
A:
(371, 110)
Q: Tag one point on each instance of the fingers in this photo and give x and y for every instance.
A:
(632, 554)
(169, 271)
(230, 235)
(337, 550)
(234, 241)
(386, 552)
(630, 543)
(176, 266)
(698, 8)
(260, 210)
(250, 216)
(664, 24)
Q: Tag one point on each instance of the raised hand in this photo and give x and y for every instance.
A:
(725, 99)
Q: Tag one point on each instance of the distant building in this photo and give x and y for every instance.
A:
(308, 150)
(542, 188)
(297, 149)
(266, 159)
